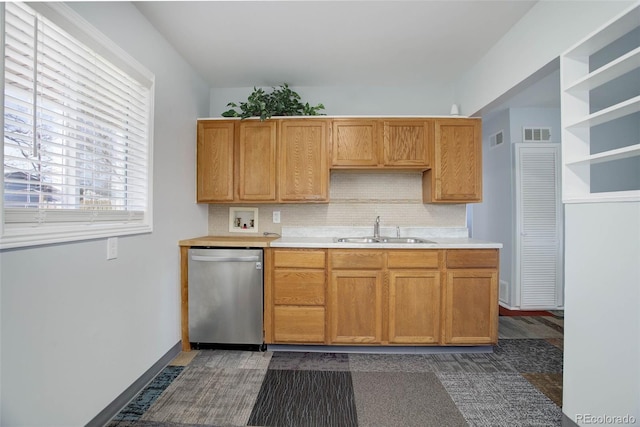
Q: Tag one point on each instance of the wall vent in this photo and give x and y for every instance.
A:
(496, 139)
(536, 134)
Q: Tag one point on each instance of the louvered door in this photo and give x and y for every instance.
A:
(539, 226)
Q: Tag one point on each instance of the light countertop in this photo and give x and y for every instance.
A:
(229, 241)
(329, 242)
(325, 237)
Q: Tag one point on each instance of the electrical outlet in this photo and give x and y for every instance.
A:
(276, 217)
(112, 248)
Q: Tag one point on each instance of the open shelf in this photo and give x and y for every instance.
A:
(628, 62)
(581, 181)
(603, 37)
(622, 109)
(609, 156)
(612, 196)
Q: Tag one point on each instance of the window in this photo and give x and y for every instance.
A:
(77, 128)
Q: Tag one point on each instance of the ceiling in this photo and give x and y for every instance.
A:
(332, 43)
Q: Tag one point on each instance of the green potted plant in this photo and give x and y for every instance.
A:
(281, 101)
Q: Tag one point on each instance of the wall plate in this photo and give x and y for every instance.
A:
(243, 220)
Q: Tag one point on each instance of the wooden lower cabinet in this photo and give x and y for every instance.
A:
(414, 307)
(356, 307)
(298, 324)
(381, 297)
(295, 295)
(384, 297)
(471, 306)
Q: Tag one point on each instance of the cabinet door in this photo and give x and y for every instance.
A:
(355, 307)
(257, 161)
(414, 307)
(471, 307)
(456, 176)
(215, 161)
(406, 142)
(304, 169)
(355, 143)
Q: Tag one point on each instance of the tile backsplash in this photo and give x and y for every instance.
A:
(356, 198)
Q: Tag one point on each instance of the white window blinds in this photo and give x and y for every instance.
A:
(76, 132)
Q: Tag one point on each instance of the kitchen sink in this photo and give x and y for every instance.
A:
(357, 240)
(404, 240)
(381, 239)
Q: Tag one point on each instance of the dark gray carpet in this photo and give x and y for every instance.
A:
(310, 361)
(403, 399)
(519, 384)
(217, 388)
(461, 362)
(500, 400)
(530, 355)
(305, 398)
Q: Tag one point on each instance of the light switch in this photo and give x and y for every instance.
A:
(276, 217)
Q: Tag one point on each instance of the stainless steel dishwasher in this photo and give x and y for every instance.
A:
(225, 297)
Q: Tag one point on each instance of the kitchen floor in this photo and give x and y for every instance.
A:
(518, 384)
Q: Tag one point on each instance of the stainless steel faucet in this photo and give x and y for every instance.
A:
(376, 228)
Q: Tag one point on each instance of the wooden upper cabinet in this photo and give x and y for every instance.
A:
(456, 173)
(355, 143)
(406, 143)
(257, 161)
(236, 161)
(303, 160)
(381, 143)
(287, 160)
(215, 161)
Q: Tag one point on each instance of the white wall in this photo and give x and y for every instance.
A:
(520, 118)
(430, 99)
(547, 30)
(77, 329)
(493, 219)
(602, 311)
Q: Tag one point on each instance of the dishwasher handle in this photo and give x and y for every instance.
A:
(225, 258)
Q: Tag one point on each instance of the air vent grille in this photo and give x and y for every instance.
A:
(497, 138)
(531, 134)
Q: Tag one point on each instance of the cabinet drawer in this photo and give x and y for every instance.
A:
(413, 259)
(300, 259)
(299, 287)
(354, 259)
(299, 324)
(472, 258)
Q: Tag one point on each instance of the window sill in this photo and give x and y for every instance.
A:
(23, 237)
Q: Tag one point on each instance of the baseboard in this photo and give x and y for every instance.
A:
(380, 349)
(126, 396)
(507, 306)
(568, 422)
(506, 312)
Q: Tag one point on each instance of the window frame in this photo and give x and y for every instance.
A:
(27, 234)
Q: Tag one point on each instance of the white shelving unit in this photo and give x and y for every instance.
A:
(580, 113)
